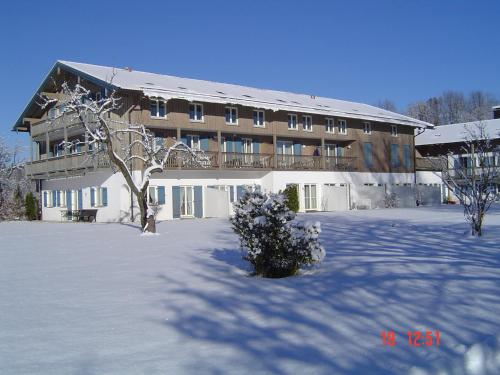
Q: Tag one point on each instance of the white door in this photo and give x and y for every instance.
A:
(187, 201)
(311, 201)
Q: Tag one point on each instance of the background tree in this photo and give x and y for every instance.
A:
(386, 104)
(473, 180)
(132, 148)
(453, 107)
(13, 182)
(31, 206)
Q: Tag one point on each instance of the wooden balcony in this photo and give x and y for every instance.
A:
(72, 164)
(433, 164)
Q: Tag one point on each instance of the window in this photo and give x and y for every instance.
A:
(367, 129)
(394, 130)
(187, 201)
(156, 195)
(232, 115)
(330, 150)
(407, 156)
(292, 122)
(246, 144)
(394, 155)
(329, 127)
(310, 197)
(307, 123)
(258, 118)
(157, 108)
(196, 112)
(193, 141)
(61, 198)
(52, 113)
(368, 154)
(342, 125)
(98, 196)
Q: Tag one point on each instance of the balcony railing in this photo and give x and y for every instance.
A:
(430, 164)
(69, 163)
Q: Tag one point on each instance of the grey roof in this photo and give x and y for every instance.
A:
(454, 133)
(169, 87)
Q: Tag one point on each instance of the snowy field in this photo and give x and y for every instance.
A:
(100, 299)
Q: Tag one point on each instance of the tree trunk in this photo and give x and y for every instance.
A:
(143, 207)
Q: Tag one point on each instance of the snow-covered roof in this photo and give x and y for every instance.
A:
(170, 87)
(454, 133)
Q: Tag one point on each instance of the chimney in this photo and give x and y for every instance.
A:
(496, 111)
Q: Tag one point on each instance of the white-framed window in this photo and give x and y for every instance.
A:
(367, 128)
(158, 108)
(196, 112)
(310, 195)
(48, 198)
(98, 196)
(194, 141)
(231, 115)
(329, 125)
(156, 195)
(61, 198)
(187, 201)
(246, 145)
(307, 124)
(394, 130)
(342, 126)
(285, 148)
(258, 118)
(330, 149)
(292, 121)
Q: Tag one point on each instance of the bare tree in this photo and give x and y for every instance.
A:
(387, 105)
(13, 182)
(472, 178)
(132, 148)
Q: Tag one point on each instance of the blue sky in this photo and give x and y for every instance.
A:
(354, 50)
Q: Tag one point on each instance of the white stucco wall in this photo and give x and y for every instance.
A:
(119, 199)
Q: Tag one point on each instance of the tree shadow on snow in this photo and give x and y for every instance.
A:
(378, 275)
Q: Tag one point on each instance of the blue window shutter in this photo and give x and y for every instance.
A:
(198, 201)
(68, 199)
(204, 143)
(256, 146)
(44, 199)
(176, 202)
(92, 197)
(54, 198)
(184, 139)
(407, 156)
(367, 148)
(58, 201)
(78, 147)
(104, 196)
(279, 147)
(238, 145)
(80, 199)
(231, 193)
(297, 149)
(161, 194)
(229, 145)
(240, 190)
(394, 155)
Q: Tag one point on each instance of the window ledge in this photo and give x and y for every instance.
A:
(158, 117)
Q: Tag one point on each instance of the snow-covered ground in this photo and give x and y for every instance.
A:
(101, 299)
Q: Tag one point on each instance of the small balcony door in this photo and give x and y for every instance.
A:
(247, 149)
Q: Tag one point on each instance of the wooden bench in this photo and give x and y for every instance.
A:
(80, 215)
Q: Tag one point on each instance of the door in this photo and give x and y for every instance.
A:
(246, 149)
(187, 201)
(311, 201)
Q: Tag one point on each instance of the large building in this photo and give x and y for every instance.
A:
(340, 154)
(449, 141)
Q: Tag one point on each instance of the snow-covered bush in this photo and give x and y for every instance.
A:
(391, 200)
(275, 245)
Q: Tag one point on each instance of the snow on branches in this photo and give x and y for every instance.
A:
(275, 245)
(132, 148)
(472, 177)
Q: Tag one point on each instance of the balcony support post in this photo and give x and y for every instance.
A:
(65, 147)
(323, 156)
(275, 158)
(179, 161)
(47, 150)
(219, 150)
